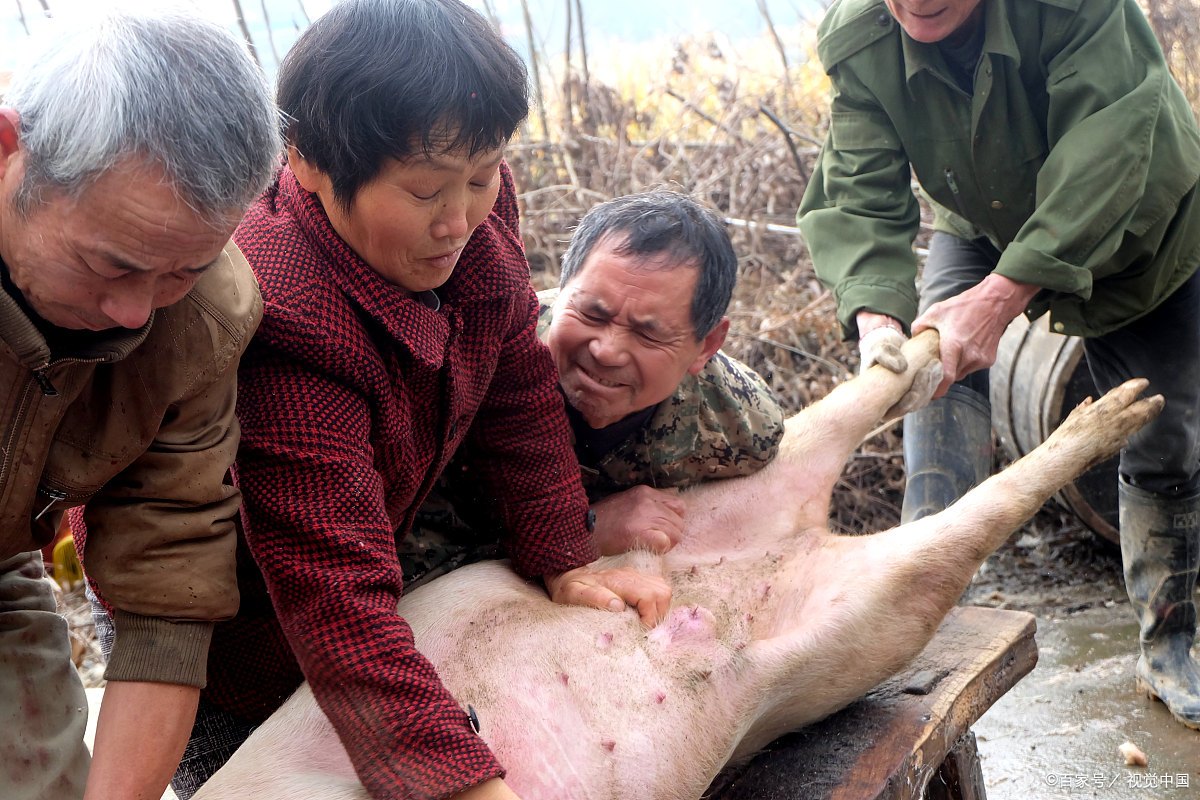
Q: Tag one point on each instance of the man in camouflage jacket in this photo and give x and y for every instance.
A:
(635, 330)
(721, 422)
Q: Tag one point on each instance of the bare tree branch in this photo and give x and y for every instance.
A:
(270, 33)
(568, 115)
(536, 69)
(21, 12)
(587, 78)
(787, 137)
(241, 18)
(716, 123)
(787, 83)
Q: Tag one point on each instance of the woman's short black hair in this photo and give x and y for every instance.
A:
(378, 79)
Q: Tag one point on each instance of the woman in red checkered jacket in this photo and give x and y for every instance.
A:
(399, 325)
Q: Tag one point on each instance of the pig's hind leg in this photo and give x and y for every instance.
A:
(821, 438)
(929, 563)
(984, 518)
(923, 567)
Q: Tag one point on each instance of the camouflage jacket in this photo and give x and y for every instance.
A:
(722, 423)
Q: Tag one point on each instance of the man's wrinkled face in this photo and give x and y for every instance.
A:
(107, 258)
(622, 334)
(932, 21)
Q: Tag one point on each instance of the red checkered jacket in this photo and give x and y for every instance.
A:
(352, 399)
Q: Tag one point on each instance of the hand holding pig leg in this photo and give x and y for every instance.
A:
(822, 437)
(793, 492)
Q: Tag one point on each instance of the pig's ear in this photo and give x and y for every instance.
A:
(712, 343)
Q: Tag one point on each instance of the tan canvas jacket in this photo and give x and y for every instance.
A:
(140, 427)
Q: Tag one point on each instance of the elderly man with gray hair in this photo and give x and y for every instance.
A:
(129, 150)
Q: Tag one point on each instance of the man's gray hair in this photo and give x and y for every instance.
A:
(668, 230)
(169, 87)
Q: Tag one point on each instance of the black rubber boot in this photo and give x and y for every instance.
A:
(947, 450)
(1160, 548)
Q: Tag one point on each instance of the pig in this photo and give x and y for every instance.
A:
(775, 621)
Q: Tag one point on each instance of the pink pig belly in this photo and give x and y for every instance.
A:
(573, 698)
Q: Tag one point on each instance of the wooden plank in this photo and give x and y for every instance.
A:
(888, 745)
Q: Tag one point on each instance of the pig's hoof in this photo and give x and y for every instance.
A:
(1106, 424)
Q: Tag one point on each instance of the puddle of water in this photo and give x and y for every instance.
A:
(1056, 734)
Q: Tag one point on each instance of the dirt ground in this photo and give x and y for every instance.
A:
(1057, 733)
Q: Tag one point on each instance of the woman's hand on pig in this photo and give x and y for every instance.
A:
(639, 517)
(612, 589)
(495, 789)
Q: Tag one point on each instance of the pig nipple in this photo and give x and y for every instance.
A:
(686, 625)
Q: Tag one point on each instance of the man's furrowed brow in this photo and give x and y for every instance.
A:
(124, 264)
(591, 305)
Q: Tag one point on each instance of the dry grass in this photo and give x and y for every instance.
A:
(85, 648)
(1176, 24)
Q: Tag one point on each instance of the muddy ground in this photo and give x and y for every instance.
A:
(1057, 733)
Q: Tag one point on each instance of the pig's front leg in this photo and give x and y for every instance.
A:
(822, 437)
(792, 494)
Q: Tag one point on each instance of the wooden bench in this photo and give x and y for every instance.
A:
(911, 737)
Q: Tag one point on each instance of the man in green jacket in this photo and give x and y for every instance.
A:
(129, 149)
(1061, 160)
